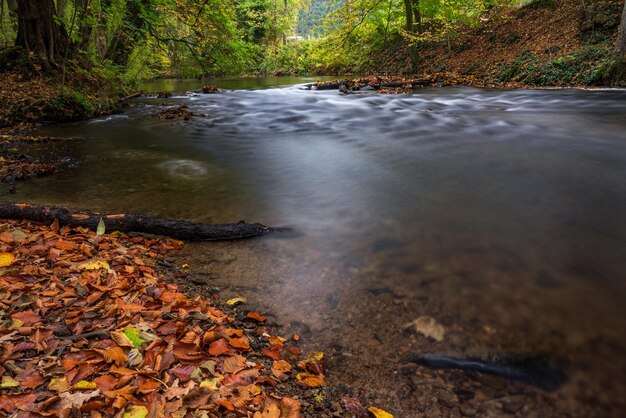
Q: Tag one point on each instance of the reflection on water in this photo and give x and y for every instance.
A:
(499, 213)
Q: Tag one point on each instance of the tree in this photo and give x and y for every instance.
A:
(620, 45)
(39, 32)
(413, 16)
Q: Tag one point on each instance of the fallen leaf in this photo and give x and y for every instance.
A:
(210, 384)
(379, 413)
(133, 335)
(6, 259)
(59, 384)
(235, 301)
(428, 327)
(234, 364)
(218, 347)
(94, 264)
(83, 384)
(71, 400)
(101, 227)
(280, 369)
(290, 408)
(9, 382)
(114, 355)
(121, 339)
(136, 411)
(256, 316)
(310, 380)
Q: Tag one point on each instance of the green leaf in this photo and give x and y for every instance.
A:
(133, 336)
(101, 228)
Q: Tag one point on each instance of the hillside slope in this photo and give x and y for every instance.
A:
(545, 43)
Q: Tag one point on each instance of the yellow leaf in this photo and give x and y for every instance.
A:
(316, 355)
(136, 411)
(59, 384)
(94, 265)
(210, 383)
(9, 382)
(235, 301)
(121, 339)
(6, 259)
(83, 384)
(16, 323)
(379, 413)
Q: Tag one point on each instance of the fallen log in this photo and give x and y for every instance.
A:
(178, 229)
(374, 82)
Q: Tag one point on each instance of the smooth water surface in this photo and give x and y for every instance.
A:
(502, 214)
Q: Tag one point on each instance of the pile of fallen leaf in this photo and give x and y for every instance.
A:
(177, 112)
(210, 89)
(88, 327)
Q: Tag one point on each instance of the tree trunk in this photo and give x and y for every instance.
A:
(417, 15)
(136, 223)
(61, 9)
(84, 28)
(38, 32)
(408, 11)
(620, 46)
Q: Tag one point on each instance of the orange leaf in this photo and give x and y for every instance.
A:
(114, 355)
(256, 316)
(218, 347)
(106, 382)
(280, 369)
(290, 408)
(311, 380)
(234, 364)
(30, 380)
(273, 352)
(240, 343)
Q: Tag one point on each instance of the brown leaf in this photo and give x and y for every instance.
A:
(9, 403)
(114, 355)
(290, 408)
(30, 379)
(234, 364)
(280, 369)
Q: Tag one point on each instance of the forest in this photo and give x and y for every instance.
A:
(159, 38)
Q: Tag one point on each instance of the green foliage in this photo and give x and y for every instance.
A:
(584, 67)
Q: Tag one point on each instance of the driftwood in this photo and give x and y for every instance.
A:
(531, 370)
(132, 223)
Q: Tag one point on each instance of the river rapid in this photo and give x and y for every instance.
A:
(500, 214)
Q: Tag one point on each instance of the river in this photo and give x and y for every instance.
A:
(500, 214)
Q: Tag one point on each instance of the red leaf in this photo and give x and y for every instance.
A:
(218, 347)
(10, 403)
(183, 372)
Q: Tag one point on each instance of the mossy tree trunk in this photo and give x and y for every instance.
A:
(39, 32)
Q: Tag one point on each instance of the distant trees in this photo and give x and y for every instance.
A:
(620, 44)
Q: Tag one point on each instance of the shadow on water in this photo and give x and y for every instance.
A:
(500, 214)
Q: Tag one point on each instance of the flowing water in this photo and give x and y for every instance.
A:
(501, 214)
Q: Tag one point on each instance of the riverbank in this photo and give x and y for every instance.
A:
(93, 323)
